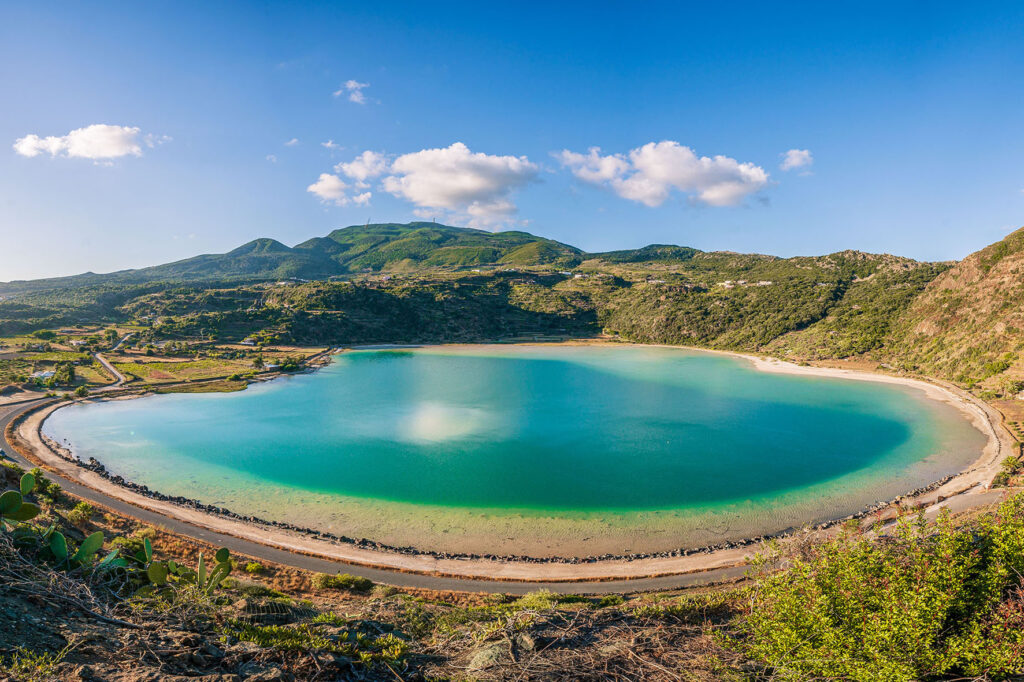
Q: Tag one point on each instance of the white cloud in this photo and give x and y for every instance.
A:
(796, 158)
(355, 91)
(153, 141)
(333, 190)
(648, 174)
(98, 142)
(367, 165)
(330, 144)
(473, 187)
(272, 158)
(330, 188)
(292, 142)
(456, 180)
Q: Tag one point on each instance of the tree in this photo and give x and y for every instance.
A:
(64, 374)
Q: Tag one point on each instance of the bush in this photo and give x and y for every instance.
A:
(80, 515)
(129, 546)
(344, 581)
(1010, 467)
(254, 568)
(921, 603)
(81, 392)
(46, 490)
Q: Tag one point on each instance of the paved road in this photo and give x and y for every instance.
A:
(121, 342)
(118, 377)
(310, 563)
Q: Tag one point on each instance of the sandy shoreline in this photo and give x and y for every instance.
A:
(975, 479)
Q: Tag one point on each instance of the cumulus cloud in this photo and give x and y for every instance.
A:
(97, 142)
(330, 144)
(648, 174)
(463, 185)
(457, 180)
(333, 190)
(369, 164)
(796, 158)
(354, 89)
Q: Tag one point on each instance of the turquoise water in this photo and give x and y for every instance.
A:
(545, 431)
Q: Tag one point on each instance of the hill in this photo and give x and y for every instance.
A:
(435, 283)
(968, 324)
(363, 248)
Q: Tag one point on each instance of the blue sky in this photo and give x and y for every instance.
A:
(906, 118)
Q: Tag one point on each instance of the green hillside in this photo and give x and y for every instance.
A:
(368, 248)
(434, 283)
(968, 324)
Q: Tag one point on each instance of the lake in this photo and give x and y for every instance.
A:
(560, 450)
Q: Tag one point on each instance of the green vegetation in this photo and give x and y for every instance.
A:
(343, 581)
(923, 602)
(349, 250)
(32, 666)
(422, 283)
(355, 645)
(81, 514)
(13, 507)
(1009, 467)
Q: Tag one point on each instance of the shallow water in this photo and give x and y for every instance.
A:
(534, 449)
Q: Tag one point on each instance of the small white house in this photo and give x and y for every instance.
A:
(248, 342)
(42, 375)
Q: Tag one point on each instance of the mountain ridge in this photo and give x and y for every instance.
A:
(961, 321)
(380, 247)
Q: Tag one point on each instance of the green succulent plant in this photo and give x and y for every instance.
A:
(85, 555)
(161, 573)
(13, 507)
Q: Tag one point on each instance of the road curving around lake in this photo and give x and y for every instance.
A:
(310, 552)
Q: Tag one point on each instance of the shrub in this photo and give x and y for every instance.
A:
(343, 581)
(25, 664)
(81, 392)
(254, 568)
(610, 600)
(1010, 467)
(46, 490)
(80, 515)
(129, 546)
(538, 600)
(920, 603)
